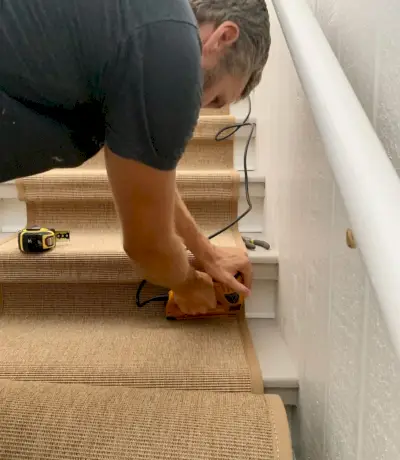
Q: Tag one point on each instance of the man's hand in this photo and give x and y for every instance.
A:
(196, 296)
(222, 264)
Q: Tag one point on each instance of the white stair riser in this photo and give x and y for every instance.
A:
(239, 148)
(241, 108)
(240, 111)
(278, 370)
(262, 302)
(253, 222)
(12, 215)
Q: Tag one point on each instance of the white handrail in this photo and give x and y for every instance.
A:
(364, 174)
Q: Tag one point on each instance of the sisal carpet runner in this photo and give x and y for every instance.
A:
(120, 424)
(80, 363)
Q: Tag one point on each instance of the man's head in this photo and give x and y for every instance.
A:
(236, 39)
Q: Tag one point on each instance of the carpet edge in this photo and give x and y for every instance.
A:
(282, 436)
(257, 384)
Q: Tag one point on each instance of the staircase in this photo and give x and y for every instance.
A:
(72, 337)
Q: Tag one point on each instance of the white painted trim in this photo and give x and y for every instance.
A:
(245, 131)
(251, 315)
(265, 264)
(12, 212)
(10, 228)
(8, 190)
(261, 256)
(251, 230)
(241, 137)
(254, 159)
(238, 151)
(277, 366)
(263, 300)
(254, 177)
(239, 109)
(365, 176)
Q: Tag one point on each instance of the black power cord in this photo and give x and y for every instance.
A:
(220, 136)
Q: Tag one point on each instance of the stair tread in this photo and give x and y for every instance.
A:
(60, 338)
(62, 176)
(8, 190)
(277, 367)
(261, 255)
(209, 125)
(89, 251)
(117, 350)
(84, 184)
(91, 243)
(91, 422)
(109, 243)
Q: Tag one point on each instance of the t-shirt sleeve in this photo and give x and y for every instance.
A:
(152, 94)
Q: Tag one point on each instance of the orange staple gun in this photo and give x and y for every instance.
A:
(229, 303)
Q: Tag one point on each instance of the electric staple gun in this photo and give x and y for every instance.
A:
(229, 303)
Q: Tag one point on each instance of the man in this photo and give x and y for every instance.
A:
(130, 75)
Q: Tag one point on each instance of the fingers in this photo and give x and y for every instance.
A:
(245, 267)
(236, 285)
(201, 297)
(247, 272)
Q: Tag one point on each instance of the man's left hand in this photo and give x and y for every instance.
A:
(223, 264)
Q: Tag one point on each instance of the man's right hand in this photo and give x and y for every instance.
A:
(196, 295)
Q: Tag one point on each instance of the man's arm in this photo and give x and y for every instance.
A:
(152, 96)
(187, 228)
(146, 213)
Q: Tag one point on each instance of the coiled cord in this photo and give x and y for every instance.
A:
(220, 136)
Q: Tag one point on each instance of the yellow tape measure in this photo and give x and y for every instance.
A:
(40, 239)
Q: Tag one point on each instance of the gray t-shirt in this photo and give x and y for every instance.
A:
(80, 73)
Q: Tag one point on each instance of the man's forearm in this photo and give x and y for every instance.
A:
(146, 214)
(188, 230)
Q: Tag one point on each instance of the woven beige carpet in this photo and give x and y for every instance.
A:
(84, 422)
(69, 323)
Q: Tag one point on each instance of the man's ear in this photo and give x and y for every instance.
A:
(216, 41)
(225, 36)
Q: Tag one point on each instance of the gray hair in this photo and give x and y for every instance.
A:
(249, 54)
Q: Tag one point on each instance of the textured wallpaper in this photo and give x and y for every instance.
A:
(350, 378)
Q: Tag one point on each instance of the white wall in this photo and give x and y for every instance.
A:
(350, 378)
